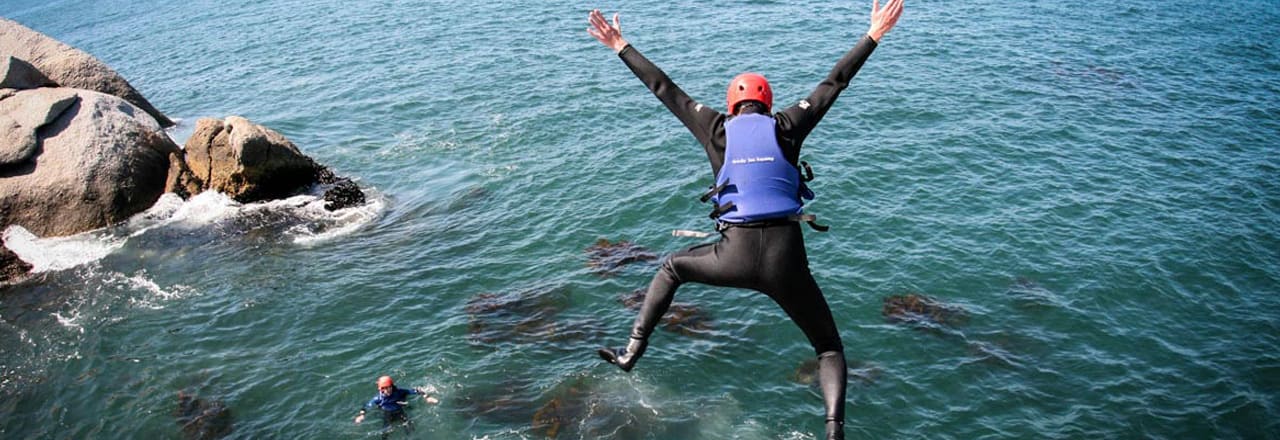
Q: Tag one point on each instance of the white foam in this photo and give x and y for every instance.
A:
(70, 321)
(341, 222)
(308, 223)
(59, 253)
(155, 294)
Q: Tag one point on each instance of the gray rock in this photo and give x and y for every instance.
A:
(246, 161)
(68, 66)
(24, 113)
(98, 162)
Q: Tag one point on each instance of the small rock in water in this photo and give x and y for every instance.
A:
(343, 194)
(919, 309)
(606, 258)
(201, 419)
(682, 318)
(527, 316)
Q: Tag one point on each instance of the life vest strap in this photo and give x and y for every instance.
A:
(719, 210)
(715, 190)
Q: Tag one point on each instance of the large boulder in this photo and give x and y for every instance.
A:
(97, 161)
(246, 161)
(68, 66)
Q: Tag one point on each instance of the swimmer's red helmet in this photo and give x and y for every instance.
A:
(385, 381)
(749, 87)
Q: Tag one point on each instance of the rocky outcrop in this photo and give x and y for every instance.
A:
(97, 160)
(80, 149)
(246, 161)
(69, 67)
(250, 162)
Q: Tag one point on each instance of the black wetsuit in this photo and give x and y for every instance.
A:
(768, 256)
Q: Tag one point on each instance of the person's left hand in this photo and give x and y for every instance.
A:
(609, 35)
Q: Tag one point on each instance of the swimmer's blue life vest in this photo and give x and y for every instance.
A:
(756, 183)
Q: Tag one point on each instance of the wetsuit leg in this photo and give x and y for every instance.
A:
(391, 418)
(724, 263)
(792, 286)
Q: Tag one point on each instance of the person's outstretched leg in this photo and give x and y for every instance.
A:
(792, 286)
(722, 263)
(832, 378)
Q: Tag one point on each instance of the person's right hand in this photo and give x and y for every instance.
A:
(359, 418)
(883, 19)
(609, 35)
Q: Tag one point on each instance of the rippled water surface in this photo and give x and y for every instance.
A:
(1091, 191)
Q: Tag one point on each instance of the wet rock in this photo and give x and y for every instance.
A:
(921, 310)
(606, 258)
(12, 268)
(250, 163)
(201, 419)
(98, 161)
(70, 67)
(342, 192)
(181, 180)
(682, 318)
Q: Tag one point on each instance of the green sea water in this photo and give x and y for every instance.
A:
(1095, 188)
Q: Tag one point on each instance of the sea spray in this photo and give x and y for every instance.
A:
(59, 253)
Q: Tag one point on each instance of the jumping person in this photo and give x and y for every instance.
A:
(391, 400)
(758, 189)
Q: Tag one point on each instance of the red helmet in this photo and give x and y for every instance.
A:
(385, 381)
(749, 87)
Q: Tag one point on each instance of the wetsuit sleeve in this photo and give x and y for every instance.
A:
(795, 123)
(373, 403)
(699, 119)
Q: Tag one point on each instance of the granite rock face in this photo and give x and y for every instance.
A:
(70, 67)
(78, 160)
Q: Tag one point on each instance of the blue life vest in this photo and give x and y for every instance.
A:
(756, 182)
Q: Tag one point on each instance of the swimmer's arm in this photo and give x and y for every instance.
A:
(426, 395)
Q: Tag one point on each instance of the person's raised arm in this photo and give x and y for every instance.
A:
(796, 121)
(699, 119)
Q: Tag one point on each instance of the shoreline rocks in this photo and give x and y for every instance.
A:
(98, 161)
(81, 149)
(70, 67)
